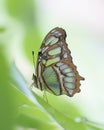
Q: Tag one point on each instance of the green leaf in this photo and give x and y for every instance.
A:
(22, 10)
(7, 104)
(25, 12)
(22, 108)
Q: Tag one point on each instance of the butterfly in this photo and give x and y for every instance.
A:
(55, 71)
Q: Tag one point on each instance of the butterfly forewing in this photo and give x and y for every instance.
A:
(55, 70)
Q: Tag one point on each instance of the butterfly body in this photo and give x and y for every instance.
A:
(55, 71)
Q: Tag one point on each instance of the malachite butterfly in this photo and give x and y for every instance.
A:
(55, 71)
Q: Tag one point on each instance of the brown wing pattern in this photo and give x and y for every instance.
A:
(54, 52)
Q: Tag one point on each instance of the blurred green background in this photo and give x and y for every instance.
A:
(23, 25)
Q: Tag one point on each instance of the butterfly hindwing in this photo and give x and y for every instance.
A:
(55, 70)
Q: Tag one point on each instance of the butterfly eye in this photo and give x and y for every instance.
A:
(39, 53)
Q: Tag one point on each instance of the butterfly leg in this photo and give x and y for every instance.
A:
(45, 95)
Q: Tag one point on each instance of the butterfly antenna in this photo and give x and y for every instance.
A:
(33, 58)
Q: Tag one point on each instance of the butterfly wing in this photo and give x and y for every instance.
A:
(55, 70)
